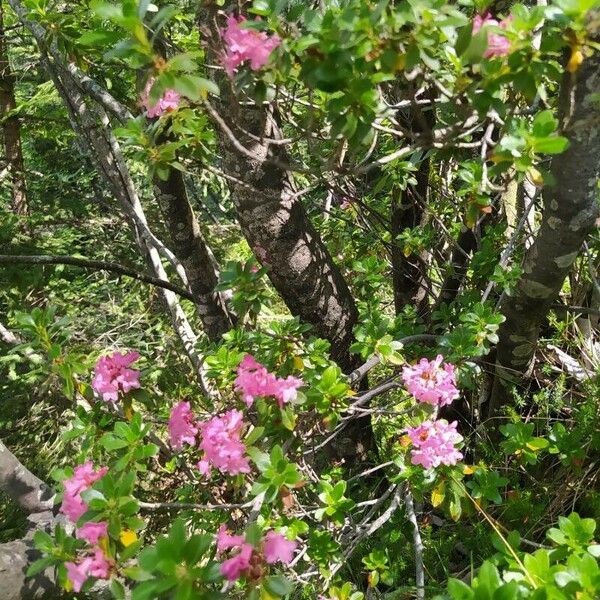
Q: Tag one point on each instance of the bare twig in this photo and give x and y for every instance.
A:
(166, 506)
(99, 265)
(418, 544)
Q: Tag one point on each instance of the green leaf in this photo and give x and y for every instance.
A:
(329, 377)
(476, 48)
(544, 124)
(463, 39)
(183, 63)
(488, 580)
(594, 550)
(43, 541)
(40, 565)
(459, 590)
(278, 585)
(99, 38)
(117, 589)
(550, 145)
(195, 548)
(110, 442)
(195, 87)
(254, 435)
(288, 418)
(260, 459)
(253, 534)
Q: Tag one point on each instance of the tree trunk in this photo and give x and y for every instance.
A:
(407, 273)
(459, 263)
(190, 248)
(274, 221)
(11, 128)
(570, 214)
(408, 211)
(285, 241)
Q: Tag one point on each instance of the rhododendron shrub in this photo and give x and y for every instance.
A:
(223, 449)
(253, 381)
(232, 450)
(435, 444)
(83, 477)
(358, 148)
(182, 427)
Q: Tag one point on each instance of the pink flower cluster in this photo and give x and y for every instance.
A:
(433, 382)
(182, 428)
(112, 374)
(83, 478)
(246, 44)
(168, 102)
(498, 45)
(434, 444)
(223, 448)
(253, 381)
(95, 565)
(275, 548)
(73, 506)
(219, 439)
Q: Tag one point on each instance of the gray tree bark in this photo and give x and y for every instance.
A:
(273, 219)
(570, 214)
(190, 248)
(21, 485)
(285, 241)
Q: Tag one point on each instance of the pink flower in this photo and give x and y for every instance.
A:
(182, 429)
(246, 44)
(167, 103)
(73, 507)
(434, 444)
(277, 548)
(234, 567)
(253, 381)
(346, 203)
(431, 382)
(112, 374)
(223, 449)
(226, 541)
(78, 573)
(286, 390)
(100, 566)
(84, 476)
(92, 532)
(90, 566)
(204, 467)
(498, 45)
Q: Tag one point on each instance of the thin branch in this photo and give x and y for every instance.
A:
(100, 265)
(418, 544)
(361, 371)
(245, 151)
(584, 310)
(160, 506)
